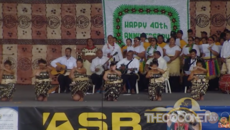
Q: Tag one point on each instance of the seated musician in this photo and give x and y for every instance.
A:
(161, 61)
(110, 48)
(189, 65)
(70, 63)
(130, 67)
(97, 75)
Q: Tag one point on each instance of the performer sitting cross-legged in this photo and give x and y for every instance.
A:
(113, 83)
(7, 87)
(69, 62)
(96, 69)
(199, 81)
(129, 67)
(81, 81)
(42, 80)
(156, 82)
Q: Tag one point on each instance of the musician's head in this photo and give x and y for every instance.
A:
(190, 40)
(156, 54)
(193, 53)
(129, 55)
(68, 52)
(137, 41)
(172, 41)
(110, 39)
(197, 40)
(79, 63)
(153, 41)
(129, 42)
(228, 35)
(154, 63)
(211, 40)
(160, 38)
(7, 64)
(99, 53)
(90, 42)
(113, 65)
(42, 63)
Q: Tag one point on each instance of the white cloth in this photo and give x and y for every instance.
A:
(139, 49)
(162, 64)
(225, 51)
(150, 50)
(185, 50)
(171, 51)
(69, 63)
(193, 64)
(108, 49)
(97, 61)
(134, 64)
(207, 52)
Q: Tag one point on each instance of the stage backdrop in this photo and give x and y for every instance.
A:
(33, 29)
(129, 18)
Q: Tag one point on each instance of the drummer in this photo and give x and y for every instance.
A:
(97, 75)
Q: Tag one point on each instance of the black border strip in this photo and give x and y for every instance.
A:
(50, 41)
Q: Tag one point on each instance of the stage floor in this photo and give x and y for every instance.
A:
(24, 97)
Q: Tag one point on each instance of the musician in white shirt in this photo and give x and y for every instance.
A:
(132, 64)
(100, 60)
(225, 55)
(70, 63)
(110, 48)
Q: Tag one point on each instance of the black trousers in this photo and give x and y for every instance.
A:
(97, 80)
(143, 82)
(130, 79)
(186, 82)
(175, 83)
(64, 82)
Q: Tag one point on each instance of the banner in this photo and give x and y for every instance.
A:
(8, 118)
(129, 18)
(186, 113)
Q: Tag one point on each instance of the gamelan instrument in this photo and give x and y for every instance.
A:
(101, 68)
(62, 70)
(224, 83)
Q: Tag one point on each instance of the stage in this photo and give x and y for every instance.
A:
(24, 97)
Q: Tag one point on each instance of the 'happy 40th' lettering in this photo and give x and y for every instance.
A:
(155, 25)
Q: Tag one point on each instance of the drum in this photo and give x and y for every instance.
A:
(224, 83)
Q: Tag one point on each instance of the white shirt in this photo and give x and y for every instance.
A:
(97, 61)
(162, 64)
(150, 50)
(69, 63)
(108, 49)
(171, 51)
(225, 51)
(193, 64)
(139, 49)
(134, 64)
(207, 52)
(185, 50)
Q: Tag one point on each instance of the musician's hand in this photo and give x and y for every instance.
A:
(97, 69)
(58, 68)
(223, 60)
